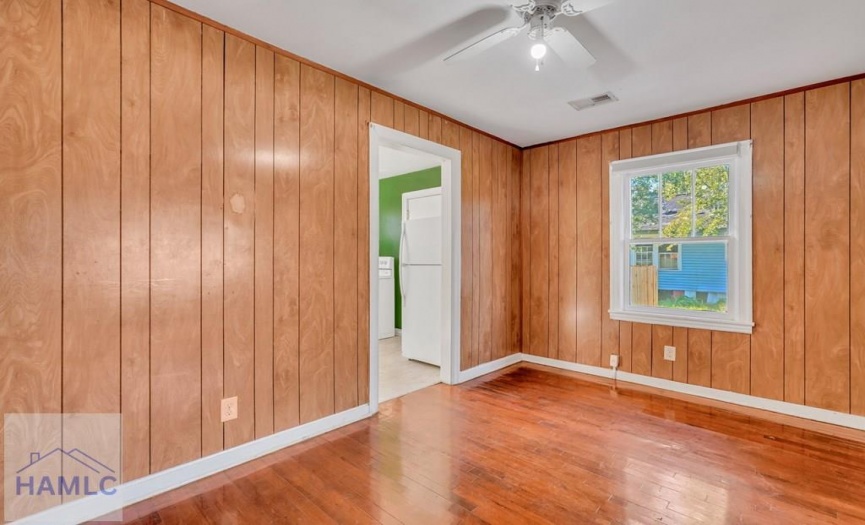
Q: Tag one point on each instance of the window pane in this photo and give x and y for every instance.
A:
(712, 196)
(642, 254)
(688, 276)
(644, 206)
(668, 257)
(676, 204)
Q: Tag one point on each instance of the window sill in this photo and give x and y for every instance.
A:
(683, 321)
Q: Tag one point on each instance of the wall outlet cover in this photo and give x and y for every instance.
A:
(670, 353)
(614, 361)
(229, 409)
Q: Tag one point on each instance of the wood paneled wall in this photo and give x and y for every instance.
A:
(185, 218)
(808, 344)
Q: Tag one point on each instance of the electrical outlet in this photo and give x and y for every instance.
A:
(229, 409)
(670, 353)
(614, 361)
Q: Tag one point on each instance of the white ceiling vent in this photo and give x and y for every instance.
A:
(585, 103)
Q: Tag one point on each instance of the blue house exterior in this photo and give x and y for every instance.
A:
(703, 269)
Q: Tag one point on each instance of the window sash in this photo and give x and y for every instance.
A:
(738, 318)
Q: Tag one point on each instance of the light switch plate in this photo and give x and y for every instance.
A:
(229, 409)
(670, 353)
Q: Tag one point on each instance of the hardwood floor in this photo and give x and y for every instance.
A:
(531, 445)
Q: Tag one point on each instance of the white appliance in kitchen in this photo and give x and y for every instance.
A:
(420, 275)
(386, 298)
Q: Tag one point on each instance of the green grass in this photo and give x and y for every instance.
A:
(688, 303)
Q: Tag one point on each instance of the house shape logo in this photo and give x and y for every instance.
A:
(76, 455)
(99, 477)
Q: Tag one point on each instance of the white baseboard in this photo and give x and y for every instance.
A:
(492, 366)
(140, 489)
(771, 405)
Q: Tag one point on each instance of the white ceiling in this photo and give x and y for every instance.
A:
(393, 162)
(659, 57)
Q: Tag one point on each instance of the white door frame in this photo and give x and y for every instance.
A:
(451, 176)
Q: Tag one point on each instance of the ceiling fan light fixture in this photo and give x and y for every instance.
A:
(539, 50)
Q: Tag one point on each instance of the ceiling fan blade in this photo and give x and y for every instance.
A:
(485, 43)
(578, 7)
(569, 49)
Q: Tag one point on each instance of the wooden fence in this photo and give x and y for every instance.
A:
(644, 285)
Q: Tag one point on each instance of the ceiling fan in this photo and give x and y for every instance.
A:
(538, 17)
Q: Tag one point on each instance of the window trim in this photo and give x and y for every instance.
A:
(739, 315)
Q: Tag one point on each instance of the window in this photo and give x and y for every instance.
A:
(668, 257)
(680, 238)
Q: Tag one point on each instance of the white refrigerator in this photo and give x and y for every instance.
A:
(420, 276)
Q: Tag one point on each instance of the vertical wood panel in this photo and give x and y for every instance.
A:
(641, 348)
(175, 239)
(588, 241)
(30, 210)
(661, 336)
(239, 217)
(91, 207)
(680, 134)
(212, 197)
(286, 243)
(514, 250)
(680, 366)
(700, 130)
(467, 253)
(731, 124)
(485, 248)
(398, 115)
(625, 328)
(553, 298)
(264, 149)
(135, 238)
(525, 250)
(411, 119)
(567, 290)
(539, 242)
(857, 248)
(767, 340)
(381, 111)
(731, 362)
(502, 257)
(609, 328)
(794, 248)
(700, 357)
(500, 262)
(641, 141)
(435, 128)
(467, 256)
(316, 244)
(423, 124)
(345, 247)
(363, 118)
(662, 137)
(827, 247)
(477, 304)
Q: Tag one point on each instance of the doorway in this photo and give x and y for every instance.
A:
(414, 249)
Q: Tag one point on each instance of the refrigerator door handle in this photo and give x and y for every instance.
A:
(403, 251)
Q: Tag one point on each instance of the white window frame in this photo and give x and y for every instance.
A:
(739, 315)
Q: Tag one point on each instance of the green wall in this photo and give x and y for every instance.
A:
(390, 192)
